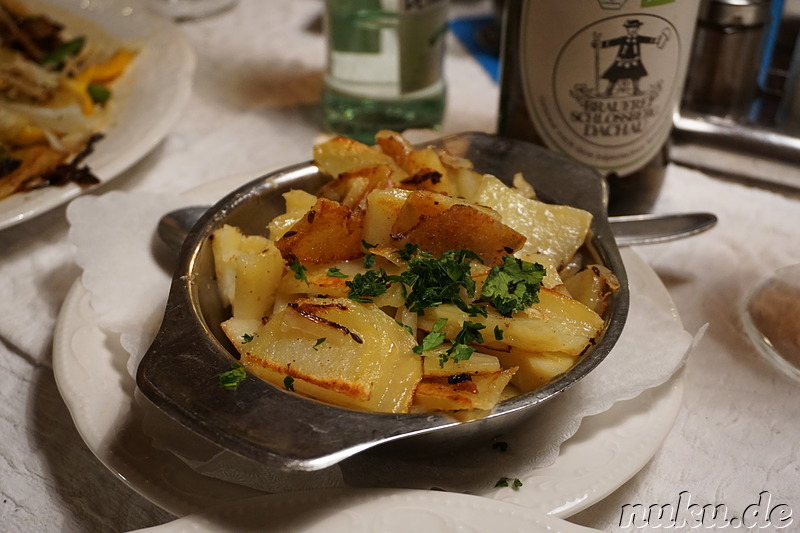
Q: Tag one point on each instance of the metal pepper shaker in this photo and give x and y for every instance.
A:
(725, 61)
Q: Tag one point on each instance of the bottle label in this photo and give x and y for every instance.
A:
(603, 80)
(421, 31)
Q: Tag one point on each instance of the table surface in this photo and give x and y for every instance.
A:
(255, 107)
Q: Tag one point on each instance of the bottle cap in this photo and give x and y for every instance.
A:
(734, 12)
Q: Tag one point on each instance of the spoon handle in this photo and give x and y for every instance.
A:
(634, 230)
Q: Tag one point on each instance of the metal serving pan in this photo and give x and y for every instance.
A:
(280, 429)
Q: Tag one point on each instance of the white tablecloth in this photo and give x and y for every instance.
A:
(255, 107)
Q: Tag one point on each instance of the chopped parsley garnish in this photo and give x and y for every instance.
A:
(434, 282)
(231, 378)
(470, 333)
(299, 271)
(288, 383)
(430, 281)
(366, 286)
(369, 258)
(508, 482)
(368, 261)
(334, 272)
(319, 341)
(247, 338)
(432, 339)
(457, 352)
(513, 286)
(460, 351)
(405, 327)
(407, 252)
(498, 333)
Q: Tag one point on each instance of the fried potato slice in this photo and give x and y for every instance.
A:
(328, 233)
(248, 269)
(298, 203)
(342, 154)
(419, 205)
(557, 323)
(478, 363)
(462, 391)
(424, 167)
(464, 227)
(352, 187)
(337, 350)
(382, 209)
(592, 286)
(535, 369)
(554, 230)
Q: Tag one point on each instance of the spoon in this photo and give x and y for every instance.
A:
(631, 230)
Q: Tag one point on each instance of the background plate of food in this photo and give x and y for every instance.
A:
(82, 96)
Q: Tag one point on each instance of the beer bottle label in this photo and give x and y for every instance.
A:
(602, 80)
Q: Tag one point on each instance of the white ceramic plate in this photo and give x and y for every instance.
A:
(149, 97)
(89, 366)
(367, 511)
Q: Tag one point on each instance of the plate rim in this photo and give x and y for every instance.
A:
(366, 505)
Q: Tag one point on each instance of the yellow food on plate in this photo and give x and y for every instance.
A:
(56, 87)
(411, 283)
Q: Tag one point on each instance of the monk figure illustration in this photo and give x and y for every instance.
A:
(627, 64)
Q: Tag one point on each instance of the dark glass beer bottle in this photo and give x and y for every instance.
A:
(600, 81)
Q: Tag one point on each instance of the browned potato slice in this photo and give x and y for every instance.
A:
(464, 227)
(341, 154)
(461, 391)
(535, 369)
(592, 286)
(329, 232)
(419, 205)
(248, 270)
(339, 351)
(424, 167)
(383, 208)
(554, 230)
(318, 282)
(298, 203)
(557, 323)
(478, 363)
(352, 187)
(394, 145)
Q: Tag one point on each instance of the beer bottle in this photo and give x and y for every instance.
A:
(598, 80)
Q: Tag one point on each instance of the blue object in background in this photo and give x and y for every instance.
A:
(771, 35)
(466, 29)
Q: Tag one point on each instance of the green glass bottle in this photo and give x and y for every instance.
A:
(384, 66)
